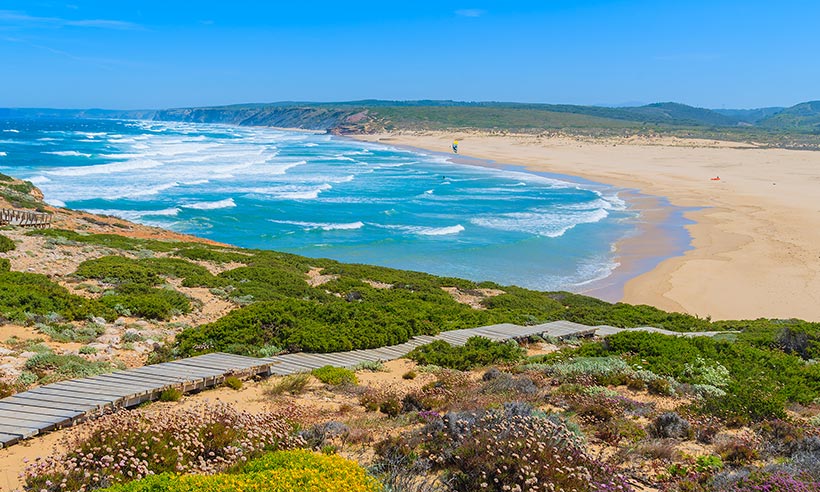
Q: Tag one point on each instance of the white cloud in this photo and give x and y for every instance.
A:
(21, 19)
(471, 12)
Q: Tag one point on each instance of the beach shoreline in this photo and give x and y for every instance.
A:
(659, 232)
(754, 233)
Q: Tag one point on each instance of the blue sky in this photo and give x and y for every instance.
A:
(157, 54)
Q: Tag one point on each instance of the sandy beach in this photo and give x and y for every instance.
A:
(756, 231)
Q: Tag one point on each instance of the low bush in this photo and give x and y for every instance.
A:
(761, 480)
(283, 471)
(112, 240)
(372, 366)
(49, 367)
(737, 450)
(130, 445)
(30, 293)
(335, 375)
(670, 425)
(497, 451)
(6, 244)
(147, 302)
(385, 400)
(118, 270)
(69, 333)
(754, 383)
(294, 384)
(477, 352)
(170, 394)
(212, 254)
(233, 383)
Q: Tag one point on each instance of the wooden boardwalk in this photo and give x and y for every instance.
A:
(25, 218)
(62, 404)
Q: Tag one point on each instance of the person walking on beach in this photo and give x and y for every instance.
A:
(455, 146)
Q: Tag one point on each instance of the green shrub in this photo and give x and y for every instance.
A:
(372, 366)
(112, 240)
(69, 333)
(87, 350)
(147, 302)
(477, 352)
(170, 394)
(5, 265)
(660, 386)
(409, 375)
(212, 254)
(283, 471)
(6, 244)
(118, 270)
(294, 384)
(334, 375)
(49, 367)
(760, 380)
(22, 293)
(233, 383)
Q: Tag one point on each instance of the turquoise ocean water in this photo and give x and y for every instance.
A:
(323, 196)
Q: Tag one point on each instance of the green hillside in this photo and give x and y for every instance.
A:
(804, 117)
(795, 127)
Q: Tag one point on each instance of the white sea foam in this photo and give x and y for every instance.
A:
(540, 222)
(47, 139)
(325, 226)
(195, 182)
(290, 192)
(3, 154)
(55, 202)
(138, 191)
(11, 130)
(38, 180)
(423, 230)
(114, 167)
(226, 203)
(68, 153)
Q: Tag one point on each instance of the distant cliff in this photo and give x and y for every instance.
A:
(330, 119)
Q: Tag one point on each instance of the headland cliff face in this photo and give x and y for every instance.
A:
(332, 120)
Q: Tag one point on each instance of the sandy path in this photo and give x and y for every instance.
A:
(756, 241)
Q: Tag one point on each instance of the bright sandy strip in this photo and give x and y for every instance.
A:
(756, 244)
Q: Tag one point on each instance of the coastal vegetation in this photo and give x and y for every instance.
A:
(726, 413)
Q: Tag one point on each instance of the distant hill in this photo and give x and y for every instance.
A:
(803, 117)
(749, 116)
(432, 113)
(794, 127)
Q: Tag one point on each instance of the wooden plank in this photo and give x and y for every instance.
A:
(8, 439)
(213, 364)
(128, 378)
(169, 369)
(42, 421)
(55, 403)
(85, 391)
(204, 366)
(82, 384)
(180, 372)
(45, 393)
(24, 408)
(237, 359)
